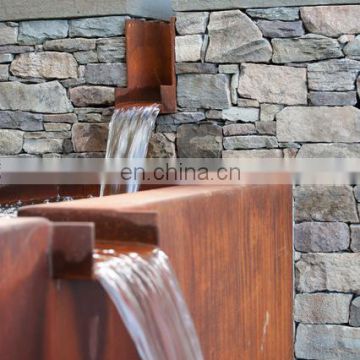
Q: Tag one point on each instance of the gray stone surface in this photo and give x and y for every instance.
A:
(49, 65)
(239, 129)
(252, 154)
(6, 58)
(250, 142)
(321, 81)
(47, 9)
(306, 48)
(281, 29)
(329, 151)
(106, 74)
(228, 68)
(333, 75)
(46, 97)
(195, 68)
(204, 91)
(185, 117)
(21, 120)
(319, 124)
(191, 23)
(331, 98)
(355, 238)
(187, 5)
(273, 84)
(279, 13)
(15, 49)
(97, 27)
(86, 57)
(234, 37)
(60, 118)
(328, 272)
(266, 127)
(332, 20)
(322, 308)
(57, 126)
(111, 50)
(344, 39)
(161, 147)
(92, 96)
(4, 72)
(89, 137)
(352, 49)
(38, 135)
(321, 236)
(35, 32)
(8, 34)
(188, 48)
(290, 152)
(246, 114)
(269, 111)
(70, 45)
(91, 118)
(355, 312)
(199, 141)
(43, 146)
(11, 142)
(357, 193)
(325, 203)
(325, 342)
(248, 103)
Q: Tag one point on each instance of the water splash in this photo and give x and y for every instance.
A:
(145, 291)
(129, 135)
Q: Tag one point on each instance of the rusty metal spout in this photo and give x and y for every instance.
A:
(150, 58)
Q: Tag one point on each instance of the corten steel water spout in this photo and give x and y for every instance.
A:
(150, 58)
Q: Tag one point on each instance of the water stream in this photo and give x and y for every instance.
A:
(129, 135)
(145, 291)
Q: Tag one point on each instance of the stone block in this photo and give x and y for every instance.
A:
(273, 84)
(199, 141)
(48, 65)
(319, 124)
(322, 308)
(106, 26)
(227, 26)
(204, 91)
(321, 236)
(325, 203)
(306, 48)
(328, 272)
(37, 31)
(47, 97)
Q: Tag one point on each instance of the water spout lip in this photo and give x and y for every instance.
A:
(137, 104)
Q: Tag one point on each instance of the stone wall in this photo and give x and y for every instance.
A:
(57, 80)
(283, 82)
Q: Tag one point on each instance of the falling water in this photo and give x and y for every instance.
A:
(145, 291)
(129, 135)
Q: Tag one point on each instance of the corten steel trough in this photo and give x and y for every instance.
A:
(231, 248)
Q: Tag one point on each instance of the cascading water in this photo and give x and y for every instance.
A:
(129, 135)
(145, 291)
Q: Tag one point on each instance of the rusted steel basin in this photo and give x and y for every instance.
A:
(231, 248)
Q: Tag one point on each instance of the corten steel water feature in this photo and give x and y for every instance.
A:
(150, 58)
(231, 248)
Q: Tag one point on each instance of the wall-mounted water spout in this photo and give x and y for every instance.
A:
(150, 57)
